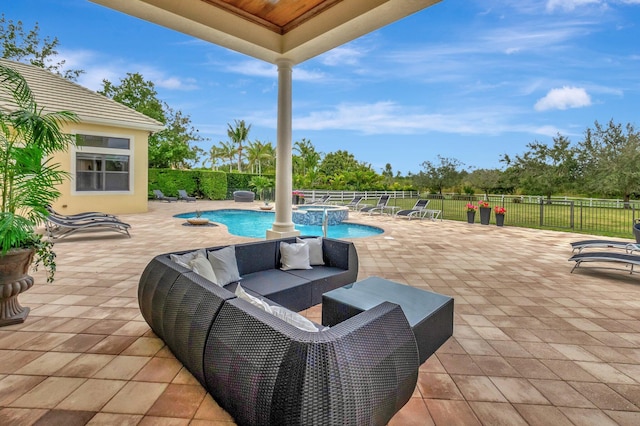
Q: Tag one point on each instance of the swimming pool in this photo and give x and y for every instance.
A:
(254, 224)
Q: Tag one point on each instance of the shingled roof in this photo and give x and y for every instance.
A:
(55, 93)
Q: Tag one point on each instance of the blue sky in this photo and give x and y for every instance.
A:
(465, 79)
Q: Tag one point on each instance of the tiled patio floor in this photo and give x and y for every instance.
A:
(533, 343)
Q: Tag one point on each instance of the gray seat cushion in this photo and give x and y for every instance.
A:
(281, 287)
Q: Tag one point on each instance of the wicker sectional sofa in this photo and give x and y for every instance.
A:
(265, 371)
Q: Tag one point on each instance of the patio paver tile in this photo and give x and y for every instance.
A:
(559, 347)
(135, 398)
(542, 415)
(65, 417)
(497, 413)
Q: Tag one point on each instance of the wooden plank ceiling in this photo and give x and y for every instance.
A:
(280, 16)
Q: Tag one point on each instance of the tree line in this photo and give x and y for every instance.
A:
(603, 164)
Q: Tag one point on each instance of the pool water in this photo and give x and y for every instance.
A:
(254, 224)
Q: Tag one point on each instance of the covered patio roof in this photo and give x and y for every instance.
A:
(281, 32)
(272, 29)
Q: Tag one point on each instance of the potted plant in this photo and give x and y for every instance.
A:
(297, 197)
(29, 181)
(471, 212)
(261, 184)
(485, 212)
(499, 211)
(198, 220)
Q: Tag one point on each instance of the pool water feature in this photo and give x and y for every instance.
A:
(314, 215)
(254, 224)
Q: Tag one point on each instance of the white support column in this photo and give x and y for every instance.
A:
(283, 225)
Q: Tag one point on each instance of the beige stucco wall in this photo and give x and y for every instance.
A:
(133, 201)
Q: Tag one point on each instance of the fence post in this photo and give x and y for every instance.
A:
(571, 217)
(582, 214)
(541, 212)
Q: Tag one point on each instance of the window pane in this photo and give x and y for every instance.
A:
(117, 163)
(88, 181)
(117, 181)
(103, 141)
(100, 172)
(86, 162)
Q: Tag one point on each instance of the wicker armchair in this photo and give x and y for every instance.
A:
(266, 372)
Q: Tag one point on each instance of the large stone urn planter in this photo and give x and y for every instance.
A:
(14, 280)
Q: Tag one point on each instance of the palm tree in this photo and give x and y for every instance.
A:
(227, 150)
(259, 153)
(309, 157)
(216, 154)
(238, 134)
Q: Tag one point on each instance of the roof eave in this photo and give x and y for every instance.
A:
(122, 124)
(337, 25)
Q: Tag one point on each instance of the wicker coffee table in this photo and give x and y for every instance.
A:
(430, 315)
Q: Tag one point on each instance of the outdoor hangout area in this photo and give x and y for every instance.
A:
(532, 342)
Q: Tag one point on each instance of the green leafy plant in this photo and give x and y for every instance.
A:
(28, 176)
(261, 184)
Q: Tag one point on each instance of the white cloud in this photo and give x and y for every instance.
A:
(97, 67)
(569, 5)
(567, 97)
(255, 68)
(174, 83)
(345, 55)
(386, 117)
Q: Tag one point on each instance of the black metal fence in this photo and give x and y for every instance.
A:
(613, 218)
(600, 217)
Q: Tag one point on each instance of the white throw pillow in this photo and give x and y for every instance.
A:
(224, 265)
(184, 259)
(201, 266)
(294, 256)
(252, 299)
(293, 318)
(284, 314)
(315, 250)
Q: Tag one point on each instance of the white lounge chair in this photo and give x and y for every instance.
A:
(608, 256)
(380, 206)
(418, 210)
(353, 204)
(58, 228)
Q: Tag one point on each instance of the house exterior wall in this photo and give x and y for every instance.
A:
(118, 202)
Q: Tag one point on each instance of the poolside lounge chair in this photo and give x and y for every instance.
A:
(80, 216)
(418, 210)
(629, 246)
(182, 195)
(608, 256)
(160, 196)
(380, 205)
(353, 204)
(322, 200)
(58, 228)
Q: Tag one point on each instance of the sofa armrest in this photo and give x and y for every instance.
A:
(264, 371)
(340, 254)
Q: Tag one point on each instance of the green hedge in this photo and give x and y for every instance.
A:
(200, 183)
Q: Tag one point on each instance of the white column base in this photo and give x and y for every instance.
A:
(274, 235)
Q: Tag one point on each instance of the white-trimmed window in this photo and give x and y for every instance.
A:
(102, 164)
